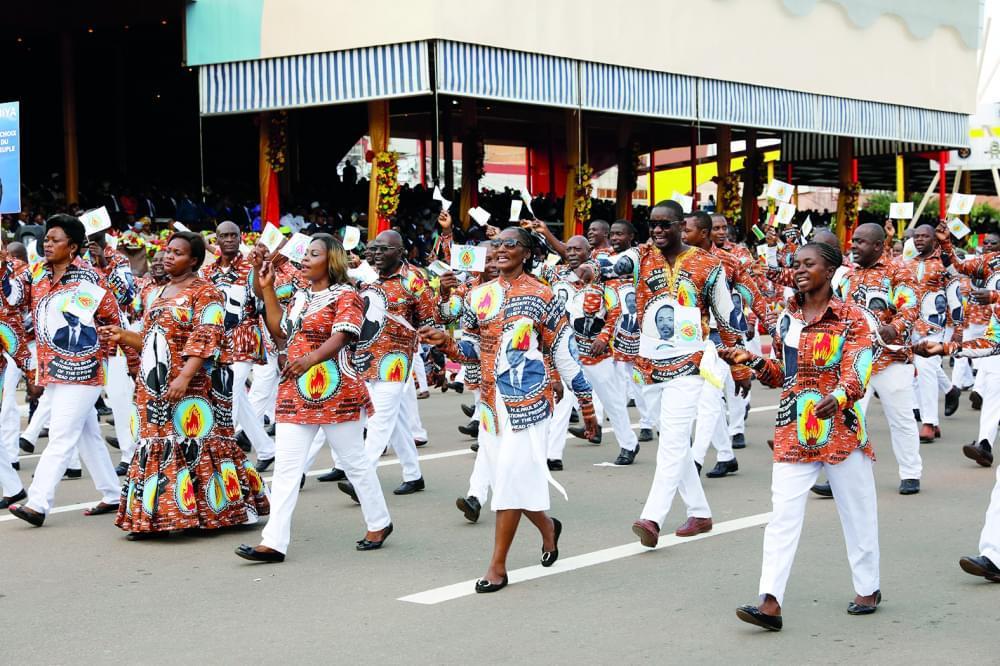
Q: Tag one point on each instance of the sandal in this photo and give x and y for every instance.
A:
(484, 586)
(549, 557)
(31, 516)
(101, 509)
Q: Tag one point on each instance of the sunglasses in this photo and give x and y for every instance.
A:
(664, 224)
(506, 242)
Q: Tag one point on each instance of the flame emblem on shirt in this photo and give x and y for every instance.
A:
(486, 301)
(393, 368)
(85, 301)
(184, 495)
(130, 503)
(133, 422)
(231, 481)
(813, 432)
(863, 366)
(150, 491)
(8, 339)
(862, 425)
(520, 340)
(687, 295)
(319, 382)
(253, 477)
(467, 258)
(688, 331)
(487, 420)
(193, 418)
(213, 314)
(826, 349)
(992, 332)
(215, 494)
(414, 283)
(904, 297)
(181, 314)
(37, 271)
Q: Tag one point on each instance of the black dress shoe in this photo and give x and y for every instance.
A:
(113, 442)
(264, 464)
(468, 410)
(951, 399)
(16, 465)
(982, 453)
(25, 445)
(822, 489)
(574, 416)
(554, 465)
(626, 457)
(580, 432)
(855, 608)
(302, 483)
(121, 469)
(549, 557)
(645, 434)
(420, 443)
(980, 566)
(333, 475)
(270, 430)
(484, 586)
(475, 447)
(457, 387)
(27, 515)
(754, 616)
(976, 400)
(739, 441)
(409, 487)
(43, 433)
(909, 486)
(365, 544)
(243, 442)
(103, 411)
(630, 403)
(5, 502)
(250, 553)
(723, 468)
(470, 429)
(73, 473)
(470, 507)
(347, 488)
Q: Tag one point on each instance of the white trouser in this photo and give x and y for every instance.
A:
(121, 395)
(40, 420)
(559, 423)
(895, 392)
(989, 539)
(989, 376)
(736, 406)
(244, 416)
(264, 388)
(675, 470)
(711, 426)
(607, 385)
(647, 415)
(10, 412)
(75, 429)
(420, 370)
(417, 430)
(927, 387)
(10, 482)
(977, 386)
(291, 450)
(853, 485)
(392, 425)
(961, 374)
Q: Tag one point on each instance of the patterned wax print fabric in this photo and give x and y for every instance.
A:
(243, 340)
(118, 272)
(587, 312)
(450, 310)
(331, 391)
(395, 307)
(516, 330)
(984, 273)
(622, 325)
(187, 471)
(831, 355)
(69, 349)
(931, 278)
(14, 341)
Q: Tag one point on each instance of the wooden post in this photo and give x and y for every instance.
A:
(694, 167)
(723, 151)
(448, 148)
(470, 176)
(749, 181)
(70, 157)
(378, 130)
(845, 162)
(572, 162)
(942, 185)
(652, 177)
(623, 190)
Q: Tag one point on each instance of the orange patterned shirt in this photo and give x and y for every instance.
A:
(831, 355)
(243, 341)
(984, 269)
(331, 391)
(931, 279)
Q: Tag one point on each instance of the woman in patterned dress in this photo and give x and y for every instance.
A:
(319, 389)
(823, 363)
(188, 471)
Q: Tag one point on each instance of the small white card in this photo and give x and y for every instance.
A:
(762, 251)
(352, 236)
(180, 226)
(112, 241)
(526, 198)
(468, 258)
(901, 211)
(363, 273)
(786, 212)
(771, 254)
(445, 204)
(96, 220)
(958, 228)
(807, 228)
(296, 247)
(481, 216)
(84, 302)
(961, 204)
(271, 237)
(438, 267)
(515, 210)
(779, 190)
(552, 259)
(684, 200)
(31, 248)
(909, 250)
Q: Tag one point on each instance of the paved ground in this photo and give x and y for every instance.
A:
(77, 591)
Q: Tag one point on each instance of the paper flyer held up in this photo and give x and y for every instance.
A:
(271, 237)
(779, 190)
(445, 204)
(786, 212)
(468, 258)
(684, 200)
(958, 228)
(352, 236)
(515, 210)
(901, 211)
(909, 250)
(961, 204)
(84, 302)
(96, 220)
(807, 228)
(296, 247)
(481, 216)
(180, 226)
(526, 198)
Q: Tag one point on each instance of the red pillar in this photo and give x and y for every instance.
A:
(422, 153)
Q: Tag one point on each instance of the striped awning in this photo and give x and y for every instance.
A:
(337, 77)
(805, 147)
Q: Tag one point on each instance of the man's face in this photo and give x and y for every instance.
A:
(940, 304)
(665, 322)
(228, 238)
(720, 231)
(620, 238)
(387, 252)
(923, 239)
(665, 229)
(71, 318)
(597, 233)
(693, 234)
(576, 251)
(515, 357)
(866, 246)
(630, 302)
(991, 243)
(156, 266)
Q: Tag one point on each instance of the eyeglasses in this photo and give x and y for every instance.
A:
(381, 249)
(506, 242)
(665, 224)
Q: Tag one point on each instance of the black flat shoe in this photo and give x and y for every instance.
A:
(264, 464)
(626, 457)
(16, 465)
(753, 615)
(723, 468)
(470, 429)
(484, 586)
(822, 489)
(470, 507)
(25, 445)
(27, 515)
(250, 553)
(347, 488)
(333, 475)
(549, 557)
(739, 441)
(243, 442)
(855, 608)
(468, 410)
(646, 435)
(409, 487)
(113, 442)
(909, 486)
(73, 474)
(580, 433)
(365, 544)
(121, 469)
(981, 566)
(7, 501)
(554, 465)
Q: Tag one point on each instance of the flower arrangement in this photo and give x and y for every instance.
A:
(480, 157)
(582, 202)
(277, 141)
(729, 196)
(387, 182)
(852, 198)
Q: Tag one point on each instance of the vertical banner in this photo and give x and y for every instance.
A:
(10, 158)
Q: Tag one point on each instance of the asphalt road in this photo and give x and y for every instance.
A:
(75, 591)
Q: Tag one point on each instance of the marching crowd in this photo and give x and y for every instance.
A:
(228, 347)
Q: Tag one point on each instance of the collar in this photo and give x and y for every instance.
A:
(237, 262)
(834, 309)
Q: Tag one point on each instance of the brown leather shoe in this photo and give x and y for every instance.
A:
(937, 432)
(770, 444)
(982, 453)
(926, 433)
(647, 531)
(693, 526)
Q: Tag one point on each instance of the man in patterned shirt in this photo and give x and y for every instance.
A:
(682, 286)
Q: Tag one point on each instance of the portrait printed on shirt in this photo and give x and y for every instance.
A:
(563, 292)
(235, 299)
(74, 341)
(953, 292)
(586, 312)
(628, 320)
(934, 308)
(669, 329)
(737, 316)
(790, 330)
(376, 307)
(155, 362)
(520, 368)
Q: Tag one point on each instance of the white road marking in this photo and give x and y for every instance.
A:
(763, 408)
(467, 588)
